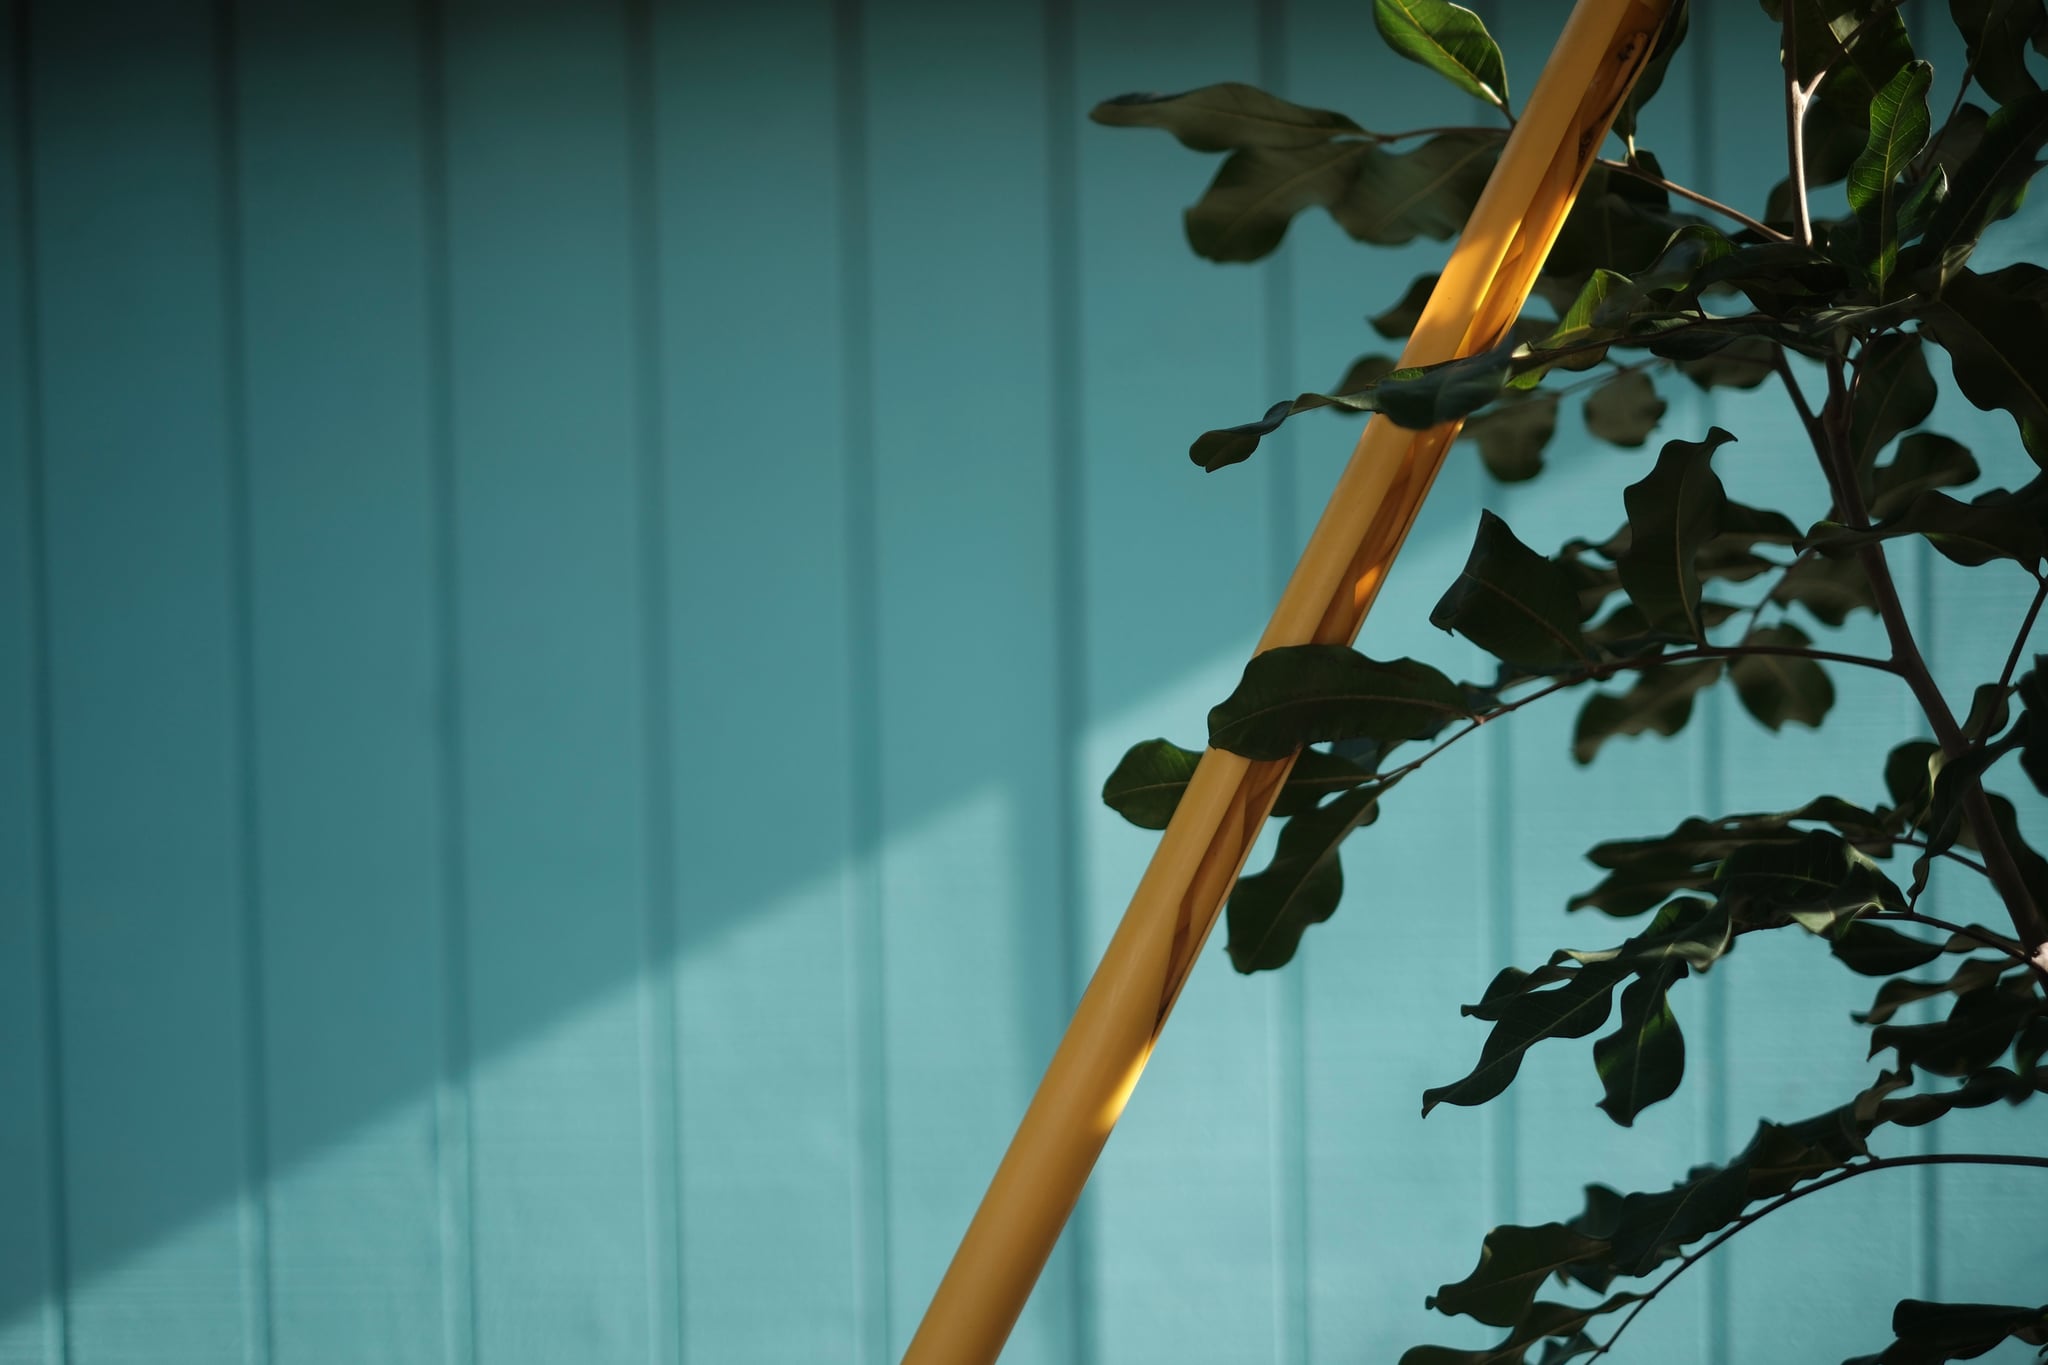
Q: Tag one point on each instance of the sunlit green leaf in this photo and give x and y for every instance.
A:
(1449, 40)
(1898, 130)
(1984, 186)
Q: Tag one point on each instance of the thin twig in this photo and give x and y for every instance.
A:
(1882, 1163)
(2010, 947)
(1927, 846)
(1687, 192)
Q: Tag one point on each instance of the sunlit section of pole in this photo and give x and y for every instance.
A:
(1483, 287)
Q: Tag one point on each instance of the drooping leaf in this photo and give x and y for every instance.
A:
(1625, 410)
(1221, 118)
(1150, 778)
(1513, 603)
(1563, 1323)
(1831, 589)
(1672, 512)
(1688, 932)
(1820, 881)
(1991, 326)
(1992, 1085)
(1271, 909)
(1925, 1333)
(1514, 1264)
(1643, 872)
(1924, 460)
(1618, 222)
(1983, 187)
(1244, 213)
(1575, 1007)
(1426, 397)
(1894, 391)
(1776, 688)
(1979, 1028)
(1643, 1060)
(1879, 950)
(1304, 694)
(1361, 375)
(1395, 197)
(1512, 434)
(1659, 702)
(1995, 36)
(1652, 79)
(1448, 39)
(1400, 319)
(1974, 974)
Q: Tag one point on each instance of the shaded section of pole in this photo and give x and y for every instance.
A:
(1483, 287)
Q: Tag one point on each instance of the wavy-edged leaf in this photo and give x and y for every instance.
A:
(1992, 328)
(1832, 589)
(1776, 688)
(1625, 410)
(1924, 460)
(1643, 1060)
(1151, 777)
(1984, 186)
(1298, 695)
(1512, 434)
(1430, 396)
(1925, 1333)
(1513, 603)
(1399, 320)
(1514, 1264)
(1271, 909)
(1396, 197)
(1970, 533)
(1819, 881)
(1448, 39)
(1224, 117)
(1643, 872)
(1974, 974)
(1879, 950)
(1563, 1323)
(1244, 213)
(1980, 1026)
(1672, 512)
(1575, 1007)
(1743, 363)
(1898, 130)
(1659, 702)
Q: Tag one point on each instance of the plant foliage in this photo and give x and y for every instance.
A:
(1651, 284)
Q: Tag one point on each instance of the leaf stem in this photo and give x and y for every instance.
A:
(1881, 1163)
(2010, 947)
(2019, 642)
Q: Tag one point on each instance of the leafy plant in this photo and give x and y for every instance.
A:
(1651, 280)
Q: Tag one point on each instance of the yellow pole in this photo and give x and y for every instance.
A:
(1483, 287)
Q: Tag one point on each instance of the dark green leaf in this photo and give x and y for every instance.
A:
(1643, 872)
(2033, 693)
(1660, 702)
(1245, 211)
(1271, 909)
(1221, 118)
(1995, 34)
(1214, 450)
(1513, 603)
(1361, 375)
(1970, 533)
(1877, 950)
(1776, 688)
(1314, 776)
(1395, 197)
(1643, 1060)
(1984, 186)
(1544, 1319)
(1992, 326)
(1687, 932)
(1989, 1086)
(1512, 434)
(1303, 694)
(1894, 391)
(1449, 40)
(1426, 397)
(1820, 881)
(1575, 1007)
(1624, 410)
(1400, 320)
(1652, 79)
(1150, 778)
(1974, 974)
(1926, 1333)
(1743, 363)
(1979, 1028)
(1672, 512)
(1618, 222)
(1514, 1263)
(1829, 588)
(1924, 460)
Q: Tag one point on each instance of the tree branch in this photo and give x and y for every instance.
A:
(1848, 1173)
(2019, 642)
(1629, 168)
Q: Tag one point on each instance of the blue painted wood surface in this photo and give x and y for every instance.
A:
(569, 576)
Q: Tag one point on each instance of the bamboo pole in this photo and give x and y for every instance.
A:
(1485, 283)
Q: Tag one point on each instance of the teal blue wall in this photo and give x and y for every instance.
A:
(569, 574)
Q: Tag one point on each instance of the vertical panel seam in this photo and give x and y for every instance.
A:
(661, 1025)
(1712, 749)
(867, 960)
(1289, 989)
(254, 1202)
(1066, 380)
(454, 1158)
(43, 697)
